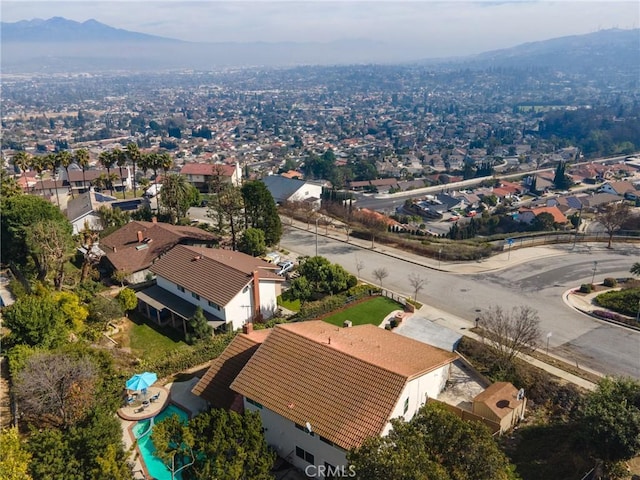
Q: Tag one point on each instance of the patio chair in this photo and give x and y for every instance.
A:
(155, 397)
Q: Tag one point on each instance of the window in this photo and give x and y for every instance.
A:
(181, 288)
(214, 305)
(195, 295)
(306, 456)
(406, 405)
(254, 403)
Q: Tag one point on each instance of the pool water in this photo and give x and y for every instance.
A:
(155, 467)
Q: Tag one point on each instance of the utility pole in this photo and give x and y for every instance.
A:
(595, 267)
(318, 218)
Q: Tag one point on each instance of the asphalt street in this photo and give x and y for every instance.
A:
(539, 283)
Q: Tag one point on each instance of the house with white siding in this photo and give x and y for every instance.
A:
(321, 390)
(232, 288)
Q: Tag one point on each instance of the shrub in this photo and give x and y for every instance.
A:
(586, 288)
(315, 309)
(610, 282)
(623, 301)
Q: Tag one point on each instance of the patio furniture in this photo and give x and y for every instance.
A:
(145, 404)
(155, 397)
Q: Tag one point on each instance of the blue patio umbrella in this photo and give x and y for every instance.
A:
(141, 381)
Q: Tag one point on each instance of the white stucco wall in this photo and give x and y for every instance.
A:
(306, 191)
(282, 434)
(92, 219)
(417, 391)
(239, 309)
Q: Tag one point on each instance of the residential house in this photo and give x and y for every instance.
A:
(322, 390)
(79, 182)
(82, 211)
(134, 247)
(284, 189)
(597, 200)
(200, 175)
(622, 188)
(526, 215)
(232, 288)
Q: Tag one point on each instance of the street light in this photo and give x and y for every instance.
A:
(548, 337)
(595, 267)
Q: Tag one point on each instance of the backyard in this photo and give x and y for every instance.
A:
(371, 311)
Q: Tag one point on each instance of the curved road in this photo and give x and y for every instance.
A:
(539, 283)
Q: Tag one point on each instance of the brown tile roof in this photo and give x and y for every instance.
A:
(121, 250)
(558, 216)
(207, 169)
(214, 385)
(214, 274)
(344, 381)
(500, 397)
(92, 174)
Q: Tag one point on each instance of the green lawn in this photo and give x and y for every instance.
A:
(293, 305)
(372, 311)
(149, 341)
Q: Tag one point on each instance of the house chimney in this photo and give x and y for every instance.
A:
(257, 316)
(247, 328)
(140, 237)
(154, 219)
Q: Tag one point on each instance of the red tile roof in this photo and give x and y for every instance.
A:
(214, 274)
(121, 250)
(214, 385)
(344, 381)
(208, 169)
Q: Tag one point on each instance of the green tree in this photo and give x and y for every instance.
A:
(51, 455)
(261, 211)
(9, 185)
(228, 205)
(14, 457)
(21, 160)
(65, 159)
(635, 269)
(121, 160)
(127, 299)
(174, 444)
(300, 289)
(231, 446)
(560, 180)
(200, 329)
(253, 242)
(75, 312)
(51, 244)
(103, 310)
(543, 222)
(107, 159)
(176, 196)
(18, 215)
(133, 155)
(610, 419)
(36, 321)
(82, 158)
(436, 445)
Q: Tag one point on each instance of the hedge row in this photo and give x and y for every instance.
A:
(181, 360)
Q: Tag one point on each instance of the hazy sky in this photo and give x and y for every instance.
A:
(450, 27)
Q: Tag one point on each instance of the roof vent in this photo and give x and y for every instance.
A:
(196, 258)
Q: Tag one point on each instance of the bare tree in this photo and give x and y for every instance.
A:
(56, 388)
(511, 333)
(380, 274)
(611, 217)
(417, 283)
(359, 266)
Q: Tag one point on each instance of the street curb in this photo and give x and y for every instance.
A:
(570, 304)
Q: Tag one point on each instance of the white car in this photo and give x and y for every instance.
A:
(284, 267)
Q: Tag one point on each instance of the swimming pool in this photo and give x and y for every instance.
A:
(141, 429)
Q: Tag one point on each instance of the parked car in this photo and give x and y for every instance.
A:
(284, 267)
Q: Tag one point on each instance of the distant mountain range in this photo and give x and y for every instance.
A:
(61, 45)
(59, 29)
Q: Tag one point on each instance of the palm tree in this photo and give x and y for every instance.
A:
(121, 161)
(153, 161)
(65, 159)
(81, 157)
(133, 154)
(166, 162)
(101, 181)
(107, 159)
(175, 196)
(635, 269)
(39, 164)
(54, 163)
(22, 160)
